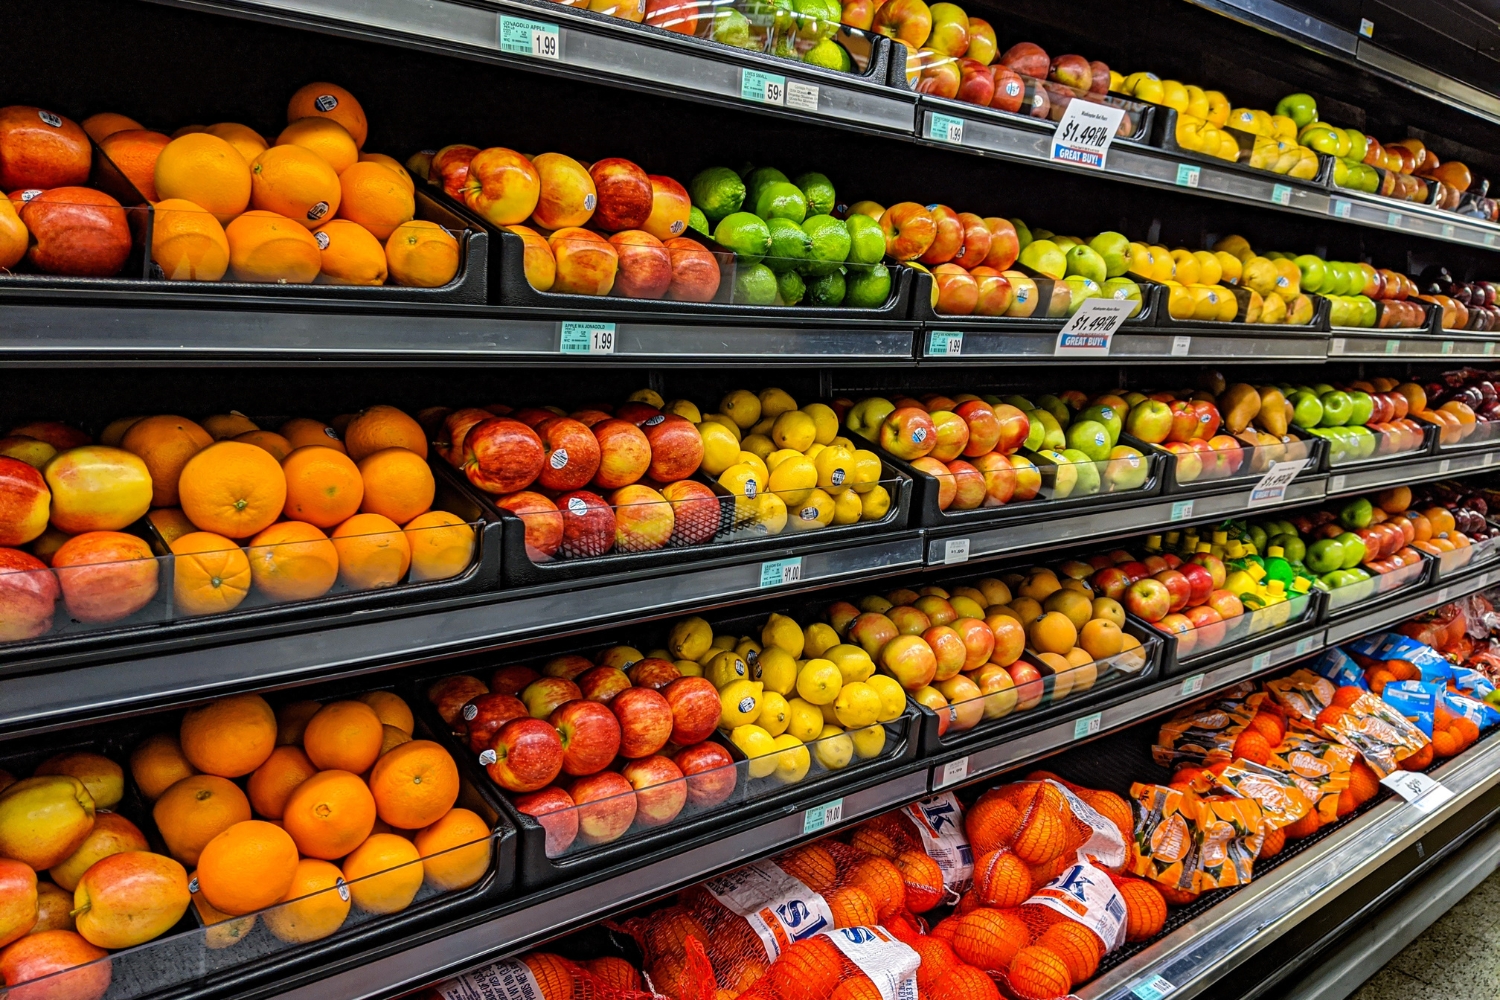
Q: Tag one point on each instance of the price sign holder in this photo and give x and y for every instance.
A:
(950, 773)
(1281, 194)
(1087, 725)
(1088, 332)
(1272, 486)
(581, 337)
(955, 550)
(1085, 133)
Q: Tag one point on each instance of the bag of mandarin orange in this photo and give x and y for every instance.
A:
(541, 975)
(926, 841)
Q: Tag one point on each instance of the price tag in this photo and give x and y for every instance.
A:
(1087, 334)
(1393, 347)
(1418, 789)
(825, 815)
(778, 572)
(944, 344)
(1337, 347)
(1281, 194)
(1272, 486)
(1192, 685)
(1180, 346)
(946, 128)
(1088, 725)
(1188, 175)
(1339, 207)
(1305, 645)
(581, 337)
(1367, 27)
(1152, 989)
(529, 38)
(1084, 134)
(762, 88)
(1444, 466)
(1393, 218)
(1489, 458)
(1260, 661)
(1447, 231)
(950, 773)
(955, 550)
(1489, 348)
(1336, 483)
(1447, 347)
(802, 96)
(1182, 509)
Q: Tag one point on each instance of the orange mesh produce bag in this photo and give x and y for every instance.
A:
(540, 975)
(926, 841)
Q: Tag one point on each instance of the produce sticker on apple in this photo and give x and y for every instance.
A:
(1084, 134)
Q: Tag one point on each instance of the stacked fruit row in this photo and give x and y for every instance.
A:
(1467, 305)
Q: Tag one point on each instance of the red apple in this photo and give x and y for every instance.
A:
(17, 900)
(931, 698)
(588, 524)
(450, 168)
(1000, 478)
(456, 427)
(939, 75)
(908, 432)
(645, 721)
(660, 789)
(947, 487)
(1208, 626)
(1209, 419)
(76, 231)
(1230, 453)
(908, 21)
(1200, 583)
(948, 650)
(555, 810)
(711, 773)
(948, 239)
(542, 521)
(25, 502)
(543, 695)
(499, 184)
(670, 207)
(976, 84)
(1110, 582)
(1184, 422)
(1182, 627)
(1149, 599)
(970, 488)
(1028, 59)
(600, 684)
(570, 453)
(958, 290)
(909, 228)
(978, 640)
(1226, 604)
(625, 195)
(569, 667)
(995, 292)
(635, 412)
(485, 714)
(676, 447)
(871, 631)
(587, 263)
(28, 596)
(624, 452)
(644, 520)
(1189, 463)
(1177, 586)
(525, 755)
(590, 735)
(654, 673)
(532, 416)
(606, 806)
(502, 455)
(1072, 71)
(1100, 73)
(695, 709)
(62, 963)
(1010, 90)
(1015, 426)
(952, 435)
(645, 268)
(1028, 684)
(696, 512)
(40, 149)
(695, 271)
(976, 241)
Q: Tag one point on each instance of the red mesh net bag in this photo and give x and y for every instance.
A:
(927, 843)
(540, 975)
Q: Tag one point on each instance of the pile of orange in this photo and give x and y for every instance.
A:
(308, 206)
(310, 810)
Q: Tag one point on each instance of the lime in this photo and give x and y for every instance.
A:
(830, 245)
(829, 55)
(784, 44)
(731, 27)
(817, 188)
(812, 19)
(827, 290)
(789, 245)
(781, 200)
(866, 240)
(790, 287)
(757, 179)
(747, 235)
(754, 285)
(869, 285)
(718, 191)
(697, 220)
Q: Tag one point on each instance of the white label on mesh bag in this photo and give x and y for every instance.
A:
(508, 980)
(890, 964)
(1085, 894)
(1105, 843)
(779, 908)
(940, 823)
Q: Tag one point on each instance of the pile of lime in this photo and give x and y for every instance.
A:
(789, 247)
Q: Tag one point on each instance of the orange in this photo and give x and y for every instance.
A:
(391, 709)
(1252, 746)
(1001, 879)
(189, 130)
(393, 164)
(247, 867)
(220, 929)
(313, 906)
(1304, 827)
(856, 987)
(421, 254)
(1271, 727)
(329, 814)
(1116, 810)
(105, 124)
(210, 574)
(455, 850)
(265, 246)
(1078, 947)
(229, 737)
(345, 736)
(323, 486)
(1053, 632)
(246, 141)
(1101, 638)
(381, 427)
(391, 738)
(1145, 910)
(206, 171)
(852, 906)
(301, 432)
(616, 972)
(135, 151)
(158, 764)
(165, 444)
(882, 881)
(374, 195)
(323, 137)
(194, 811)
(442, 545)
(989, 938)
(398, 484)
(936, 960)
(1044, 831)
(187, 243)
(812, 865)
(808, 970)
(273, 782)
(990, 823)
(232, 488)
(414, 784)
(384, 873)
(963, 982)
(923, 878)
(329, 100)
(1038, 973)
(351, 256)
(373, 552)
(228, 425)
(292, 719)
(295, 182)
(1272, 844)
(13, 235)
(272, 443)
(293, 561)
(876, 840)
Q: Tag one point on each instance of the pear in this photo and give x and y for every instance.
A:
(1239, 404)
(1272, 413)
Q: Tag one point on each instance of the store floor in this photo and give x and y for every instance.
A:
(1457, 958)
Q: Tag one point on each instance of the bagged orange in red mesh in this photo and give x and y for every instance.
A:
(1281, 799)
(1206, 733)
(848, 963)
(1382, 735)
(1320, 767)
(926, 841)
(540, 975)
(1303, 693)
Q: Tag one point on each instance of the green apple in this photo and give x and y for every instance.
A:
(1321, 137)
(1114, 248)
(1354, 549)
(1125, 290)
(1367, 311)
(1086, 261)
(1064, 473)
(1082, 289)
(1091, 438)
(1357, 513)
(1364, 407)
(1307, 410)
(1325, 555)
(1300, 108)
(1314, 272)
(1019, 402)
(1365, 441)
(1337, 408)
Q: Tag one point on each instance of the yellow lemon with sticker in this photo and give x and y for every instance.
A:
(739, 703)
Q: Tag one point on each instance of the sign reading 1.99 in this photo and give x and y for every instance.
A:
(1084, 133)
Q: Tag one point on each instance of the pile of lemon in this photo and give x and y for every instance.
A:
(797, 694)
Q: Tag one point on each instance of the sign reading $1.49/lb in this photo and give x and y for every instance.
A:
(1084, 134)
(1089, 331)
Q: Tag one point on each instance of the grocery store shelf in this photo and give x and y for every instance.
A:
(1424, 81)
(1386, 344)
(1287, 21)
(1408, 217)
(1380, 476)
(361, 642)
(1391, 614)
(1184, 344)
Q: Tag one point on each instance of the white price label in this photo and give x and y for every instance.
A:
(529, 38)
(1192, 685)
(1418, 789)
(578, 337)
(946, 128)
(1088, 725)
(1084, 133)
(1281, 194)
(1444, 466)
(1087, 334)
(1188, 175)
(825, 815)
(945, 343)
(1337, 347)
(778, 572)
(1152, 989)
(1272, 486)
(801, 96)
(1339, 207)
(955, 550)
(1367, 27)
(950, 773)
(1182, 509)
(1181, 345)
(762, 88)
(1336, 483)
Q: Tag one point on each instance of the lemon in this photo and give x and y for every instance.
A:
(688, 668)
(739, 703)
(690, 639)
(686, 409)
(763, 426)
(793, 479)
(833, 749)
(819, 682)
(826, 421)
(776, 669)
(875, 504)
(771, 514)
(868, 742)
(757, 463)
(818, 638)
(757, 744)
(857, 705)
(848, 508)
(744, 482)
(804, 720)
(781, 455)
(783, 633)
(658, 654)
(725, 669)
(758, 445)
(725, 422)
(814, 450)
(750, 650)
(742, 406)
(774, 402)
(794, 429)
(723, 642)
(792, 759)
(865, 470)
(892, 696)
(853, 662)
(830, 715)
(774, 714)
(720, 448)
(835, 467)
(815, 512)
